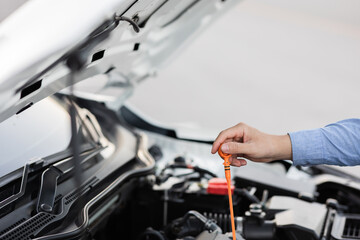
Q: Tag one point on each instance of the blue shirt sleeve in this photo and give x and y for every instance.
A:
(335, 144)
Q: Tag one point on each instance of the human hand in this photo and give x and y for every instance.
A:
(243, 141)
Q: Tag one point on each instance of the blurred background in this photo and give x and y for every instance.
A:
(277, 65)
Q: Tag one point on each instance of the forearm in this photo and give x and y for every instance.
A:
(335, 144)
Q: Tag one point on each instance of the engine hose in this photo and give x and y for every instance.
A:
(204, 171)
(187, 166)
(245, 193)
(209, 224)
(151, 232)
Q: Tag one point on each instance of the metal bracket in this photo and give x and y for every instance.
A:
(21, 192)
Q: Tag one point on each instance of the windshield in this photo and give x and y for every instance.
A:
(40, 131)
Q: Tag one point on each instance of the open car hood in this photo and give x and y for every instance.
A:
(37, 41)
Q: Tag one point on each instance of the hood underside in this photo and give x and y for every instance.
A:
(43, 39)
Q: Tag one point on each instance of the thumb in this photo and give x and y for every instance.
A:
(235, 148)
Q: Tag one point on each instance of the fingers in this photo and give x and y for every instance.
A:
(236, 148)
(230, 133)
(237, 162)
(223, 136)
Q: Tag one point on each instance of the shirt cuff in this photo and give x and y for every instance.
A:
(307, 147)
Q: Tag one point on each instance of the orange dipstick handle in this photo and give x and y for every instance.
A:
(226, 157)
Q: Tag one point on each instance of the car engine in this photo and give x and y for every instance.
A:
(142, 182)
(186, 198)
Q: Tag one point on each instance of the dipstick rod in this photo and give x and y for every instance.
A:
(226, 157)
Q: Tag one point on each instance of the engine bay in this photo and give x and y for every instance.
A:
(186, 198)
(144, 183)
